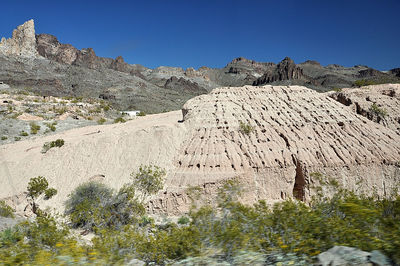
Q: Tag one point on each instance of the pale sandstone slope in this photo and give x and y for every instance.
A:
(385, 96)
(111, 150)
(297, 131)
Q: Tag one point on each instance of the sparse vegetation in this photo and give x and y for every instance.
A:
(148, 180)
(56, 143)
(119, 120)
(34, 128)
(183, 220)
(290, 231)
(94, 206)
(141, 113)
(51, 126)
(36, 187)
(16, 138)
(101, 121)
(245, 128)
(378, 111)
(367, 82)
(23, 133)
(5, 210)
(4, 137)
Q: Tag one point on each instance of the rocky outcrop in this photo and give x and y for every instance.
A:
(182, 84)
(49, 47)
(343, 256)
(370, 73)
(379, 103)
(22, 43)
(285, 70)
(395, 71)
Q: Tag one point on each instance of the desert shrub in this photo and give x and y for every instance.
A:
(49, 193)
(119, 120)
(148, 180)
(56, 143)
(364, 82)
(51, 126)
(85, 203)
(337, 89)
(38, 186)
(16, 138)
(60, 111)
(34, 128)
(4, 137)
(5, 210)
(23, 133)
(141, 113)
(245, 128)
(183, 220)
(94, 206)
(289, 233)
(378, 111)
(101, 121)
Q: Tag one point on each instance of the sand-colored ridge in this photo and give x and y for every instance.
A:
(297, 132)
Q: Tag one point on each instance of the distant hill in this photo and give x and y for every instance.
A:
(42, 64)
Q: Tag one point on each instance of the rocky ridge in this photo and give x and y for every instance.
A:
(60, 69)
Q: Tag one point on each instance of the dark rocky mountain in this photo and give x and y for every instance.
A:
(44, 65)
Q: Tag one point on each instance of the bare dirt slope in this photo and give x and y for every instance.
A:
(300, 140)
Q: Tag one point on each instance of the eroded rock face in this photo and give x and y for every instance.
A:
(22, 43)
(299, 138)
(49, 47)
(285, 70)
(182, 84)
(379, 103)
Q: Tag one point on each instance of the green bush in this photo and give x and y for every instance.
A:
(101, 121)
(16, 138)
(245, 128)
(364, 82)
(56, 143)
(141, 113)
(85, 204)
(378, 111)
(119, 120)
(148, 180)
(94, 206)
(183, 220)
(51, 126)
(36, 187)
(4, 137)
(23, 133)
(5, 210)
(34, 128)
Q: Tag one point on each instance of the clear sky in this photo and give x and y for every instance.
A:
(192, 33)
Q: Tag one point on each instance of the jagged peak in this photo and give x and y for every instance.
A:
(22, 43)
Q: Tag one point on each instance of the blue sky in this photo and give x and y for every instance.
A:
(211, 33)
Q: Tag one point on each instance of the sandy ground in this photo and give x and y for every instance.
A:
(114, 151)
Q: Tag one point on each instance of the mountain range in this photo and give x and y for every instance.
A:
(40, 63)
